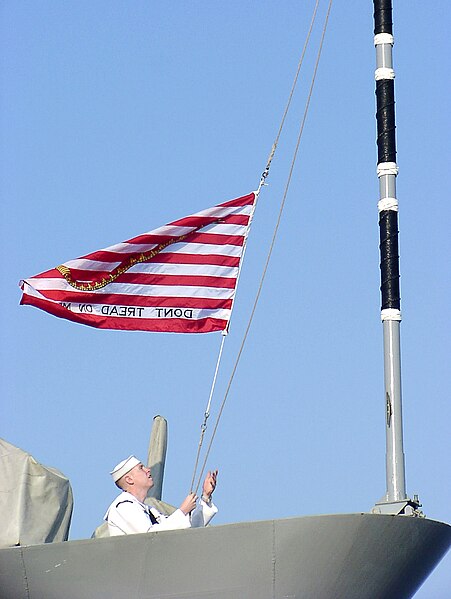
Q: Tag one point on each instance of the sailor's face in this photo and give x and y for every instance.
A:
(142, 476)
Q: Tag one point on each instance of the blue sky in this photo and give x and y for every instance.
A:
(118, 117)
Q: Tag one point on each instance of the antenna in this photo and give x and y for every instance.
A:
(395, 500)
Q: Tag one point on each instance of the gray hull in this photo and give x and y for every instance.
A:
(354, 556)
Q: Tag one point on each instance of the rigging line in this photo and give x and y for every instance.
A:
(257, 193)
(290, 97)
(203, 427)
(282, 205)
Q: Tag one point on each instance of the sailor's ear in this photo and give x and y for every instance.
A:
(128, 479)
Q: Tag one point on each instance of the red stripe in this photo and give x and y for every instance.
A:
(236, 219)
(243, 201)
(157, 325)
(216, 238)
(172, 257)
(105, 256)
(150, 239)
(203, 221)
(118, 299)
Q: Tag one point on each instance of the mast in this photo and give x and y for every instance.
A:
(395, 500)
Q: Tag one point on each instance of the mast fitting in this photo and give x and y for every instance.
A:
(387, 168)
(391, 314)
(389, 410)
(384, 73)
(384, 38)
(387, 204)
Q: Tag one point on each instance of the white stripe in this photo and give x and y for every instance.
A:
(133, 289)
(30, 290)
(173, 230)
(225, 229)
(231, 272)
(132, 248)
(224, 211)
(158, 268)
(142, 312)
(204, 249)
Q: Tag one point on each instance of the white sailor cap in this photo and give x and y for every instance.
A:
(124, 467)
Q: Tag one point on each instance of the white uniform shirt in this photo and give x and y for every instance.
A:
(127, 515)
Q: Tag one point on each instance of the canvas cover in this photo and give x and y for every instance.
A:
(35, 501)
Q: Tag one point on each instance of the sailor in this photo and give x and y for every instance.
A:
(128, 514)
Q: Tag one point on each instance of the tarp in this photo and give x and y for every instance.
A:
(35, 501)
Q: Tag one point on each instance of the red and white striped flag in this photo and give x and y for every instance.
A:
(180, 278)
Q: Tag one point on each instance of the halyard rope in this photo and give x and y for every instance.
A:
(276, 228)
(290, 97)
(203, 427)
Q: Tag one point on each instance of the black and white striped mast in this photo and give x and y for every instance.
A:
(395, 500)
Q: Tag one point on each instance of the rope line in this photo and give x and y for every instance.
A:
(282, 206)
(290, 97)
(263, 177)
(203, 427)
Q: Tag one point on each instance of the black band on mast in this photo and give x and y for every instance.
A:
(385, 116)
(382, 17)
(388, 231)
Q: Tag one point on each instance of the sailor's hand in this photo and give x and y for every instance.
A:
(209, 485)
(189, 503)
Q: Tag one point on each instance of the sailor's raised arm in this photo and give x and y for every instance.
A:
(205, 509)
(209, 485)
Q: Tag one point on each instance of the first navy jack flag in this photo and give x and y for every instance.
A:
(180, 278)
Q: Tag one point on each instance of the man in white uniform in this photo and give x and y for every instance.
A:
(128, 514)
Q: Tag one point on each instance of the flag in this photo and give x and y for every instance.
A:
(180, 278)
